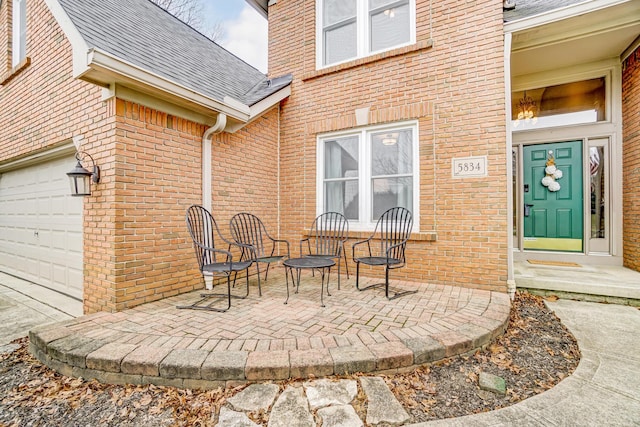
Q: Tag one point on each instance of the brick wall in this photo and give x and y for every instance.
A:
(136, 246)
(631, 160)
(157, 162)
(5, 35)
(451, 82)
(42, 105)
(245, 173)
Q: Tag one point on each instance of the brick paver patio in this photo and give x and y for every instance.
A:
(260, 338)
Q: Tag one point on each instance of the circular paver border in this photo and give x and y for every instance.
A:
(61, 347)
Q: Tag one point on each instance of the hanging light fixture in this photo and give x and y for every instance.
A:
(389, 138)
(527, 110)
(80, 178)
(391, 13)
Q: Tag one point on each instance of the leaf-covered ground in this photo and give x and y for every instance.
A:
(534, 354)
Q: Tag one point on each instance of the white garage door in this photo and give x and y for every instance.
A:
(41, 226)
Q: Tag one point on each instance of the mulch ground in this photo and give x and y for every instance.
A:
(535, 353)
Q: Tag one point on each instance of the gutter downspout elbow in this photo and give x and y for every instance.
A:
(221, 123)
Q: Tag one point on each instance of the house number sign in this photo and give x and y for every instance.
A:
(469, 167)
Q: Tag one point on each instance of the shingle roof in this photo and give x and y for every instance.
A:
(527, 8)
(145, 35)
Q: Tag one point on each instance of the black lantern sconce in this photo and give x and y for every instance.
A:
(80, 178)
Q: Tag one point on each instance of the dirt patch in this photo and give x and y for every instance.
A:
(534, 354)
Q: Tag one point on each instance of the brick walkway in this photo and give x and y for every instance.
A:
(260, 338)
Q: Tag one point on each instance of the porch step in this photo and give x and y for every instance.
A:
(605, 283)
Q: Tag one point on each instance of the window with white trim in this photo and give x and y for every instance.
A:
(19, 32)
(350, 29)
(364, 172)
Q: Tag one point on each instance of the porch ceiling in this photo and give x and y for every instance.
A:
(595, 36)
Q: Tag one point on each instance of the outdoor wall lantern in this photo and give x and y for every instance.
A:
(80, 178)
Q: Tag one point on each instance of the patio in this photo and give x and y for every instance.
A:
(260, 338)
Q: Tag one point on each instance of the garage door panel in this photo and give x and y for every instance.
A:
(41, 226)
(59, 273)
(58, 240)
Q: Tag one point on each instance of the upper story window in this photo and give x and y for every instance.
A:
(364, 172)
(560, 105)
(19, 32)
(350, 29)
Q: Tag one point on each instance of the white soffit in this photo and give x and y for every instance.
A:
(590, 37)
(262, 6)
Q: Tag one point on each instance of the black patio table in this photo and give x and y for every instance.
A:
(313, 263)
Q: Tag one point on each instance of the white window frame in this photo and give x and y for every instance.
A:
(19, 33)
(364, 172)
(362, 32)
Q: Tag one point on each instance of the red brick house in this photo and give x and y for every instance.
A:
(109, 76)
(367, 105)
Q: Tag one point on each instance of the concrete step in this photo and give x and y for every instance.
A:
(598, 283)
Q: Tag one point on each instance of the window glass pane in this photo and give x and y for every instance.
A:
(19, 30)
(598, 192)
(390, 192)
(374, 4)
(337, 10)
(23, 29)
(341, 158)
(392, 153)
(564, 104)
(342, 197)
(390, 27)
(340, 43)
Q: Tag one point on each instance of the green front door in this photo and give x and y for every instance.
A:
(553, 217)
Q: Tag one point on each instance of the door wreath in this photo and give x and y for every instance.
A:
(552, 174)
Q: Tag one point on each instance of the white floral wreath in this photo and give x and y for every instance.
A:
(552, 174)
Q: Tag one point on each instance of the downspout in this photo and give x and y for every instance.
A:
(221, 122)
(511, 282)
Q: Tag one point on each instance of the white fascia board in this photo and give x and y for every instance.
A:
(78, 46)
(257, 109)
(99, 60)
(560, 14)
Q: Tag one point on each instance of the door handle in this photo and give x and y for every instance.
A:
(527, 209)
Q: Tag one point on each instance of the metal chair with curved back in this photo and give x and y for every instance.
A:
(248, 229)
(213, 260)
(328, 232)
(394, 228)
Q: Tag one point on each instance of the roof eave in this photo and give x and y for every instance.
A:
(559, 14)
(257, 109)
(78, 44)
(103, 69)
(105, 63)
(262, 6)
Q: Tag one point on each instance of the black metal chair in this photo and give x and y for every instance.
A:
(394, 227)
(248, 230)
(328, 232)
(213, 260)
